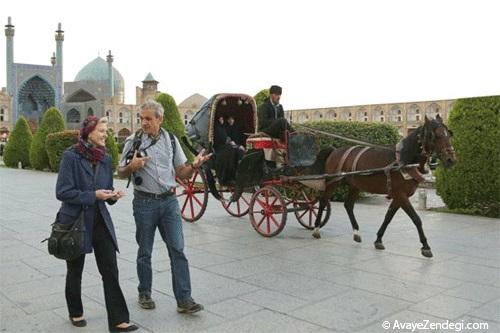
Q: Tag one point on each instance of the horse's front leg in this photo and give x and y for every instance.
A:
(349, 207)
(393, 208)
(408, 208)
(323, 201)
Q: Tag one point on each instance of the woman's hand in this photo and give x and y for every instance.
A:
(104, 194)
(118, 194)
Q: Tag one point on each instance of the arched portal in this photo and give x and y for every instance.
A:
(34, 98)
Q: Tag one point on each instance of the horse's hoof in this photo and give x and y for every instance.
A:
(379, 246)
(357, 238)
(316, 233)
(427, 253)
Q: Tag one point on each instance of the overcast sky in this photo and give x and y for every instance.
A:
(323, 53)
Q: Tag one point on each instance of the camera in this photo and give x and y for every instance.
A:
(130, 156)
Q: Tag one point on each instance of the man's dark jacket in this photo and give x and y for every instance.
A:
(266, 114)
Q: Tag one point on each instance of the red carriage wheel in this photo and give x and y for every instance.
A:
(238, 208)
(267, 212)
(192, 194)
(306, 210)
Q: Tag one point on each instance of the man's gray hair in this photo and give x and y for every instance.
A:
(154, 106)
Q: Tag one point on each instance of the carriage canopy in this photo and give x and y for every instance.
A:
(240, 106)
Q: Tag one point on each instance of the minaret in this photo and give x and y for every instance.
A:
(149, 87)
(111, 77)
(59, 65)
(9, 34)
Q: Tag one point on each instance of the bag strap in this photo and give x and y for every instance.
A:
(174, 146)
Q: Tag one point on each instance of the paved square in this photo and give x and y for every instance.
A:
(289, 283)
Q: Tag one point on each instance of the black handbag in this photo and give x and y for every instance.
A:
(67, 240)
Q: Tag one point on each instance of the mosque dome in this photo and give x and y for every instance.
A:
(97, 70)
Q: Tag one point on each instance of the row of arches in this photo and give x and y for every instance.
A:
(394, 114)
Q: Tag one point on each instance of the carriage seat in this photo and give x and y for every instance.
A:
(274, 149)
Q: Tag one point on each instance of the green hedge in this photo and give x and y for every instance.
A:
(376, 133)
(58, 142)
(172, 121)
(52, 122)
(473, 185)
(112, 148)
(17, 148)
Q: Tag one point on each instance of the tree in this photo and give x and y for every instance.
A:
(52, 122)
(172, 120)
(112, 148)
(17, 148)
(57, 143)
(472, 184)
(261, 97)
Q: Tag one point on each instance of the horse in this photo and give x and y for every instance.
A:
(432, 138)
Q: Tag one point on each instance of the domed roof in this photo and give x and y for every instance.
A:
(194, 101)
(97, 70)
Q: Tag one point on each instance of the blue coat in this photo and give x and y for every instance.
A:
(75, 189)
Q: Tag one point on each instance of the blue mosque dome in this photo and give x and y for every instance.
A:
(97, 70)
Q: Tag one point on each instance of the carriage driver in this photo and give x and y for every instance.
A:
(271, 115)
(157, 159)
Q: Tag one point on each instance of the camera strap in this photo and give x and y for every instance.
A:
(138, 140)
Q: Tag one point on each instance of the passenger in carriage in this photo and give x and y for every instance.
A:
(271, 115)
(236, 136)
(226, 156)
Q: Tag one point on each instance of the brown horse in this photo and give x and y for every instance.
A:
(432, 138)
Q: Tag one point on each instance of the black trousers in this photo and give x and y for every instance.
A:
(105, 256)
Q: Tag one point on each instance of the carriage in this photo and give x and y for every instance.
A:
(258, 189)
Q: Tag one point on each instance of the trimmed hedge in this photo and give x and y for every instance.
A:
(17, 149)
(57, 143)
(172, 121)
(472, 185)
(112, 148)
(376, 133)
(52, 122)
(261, 96)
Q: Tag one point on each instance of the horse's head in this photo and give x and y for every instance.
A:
(435, 139)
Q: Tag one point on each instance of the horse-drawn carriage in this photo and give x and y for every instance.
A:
(274, 177)
(257, 187)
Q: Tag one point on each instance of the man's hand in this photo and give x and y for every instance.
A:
(138, 163)
(200, 159)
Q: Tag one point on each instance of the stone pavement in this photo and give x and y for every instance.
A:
(289, 283)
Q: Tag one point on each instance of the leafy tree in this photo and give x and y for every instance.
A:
(472, 185)
(57, 143)
(52, 122)
(112, 148)
(17, 148)
(172, 120)
(261, 97)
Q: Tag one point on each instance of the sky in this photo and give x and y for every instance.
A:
(323, 53)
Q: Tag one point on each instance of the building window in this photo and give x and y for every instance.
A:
(366, 119)
(120, 119)
(2, 114)
(417, 118)
(90, 112)
(366, 114)
(381, 119)
(73, 116)
(185, 119)
(399, 111)
(399, 118)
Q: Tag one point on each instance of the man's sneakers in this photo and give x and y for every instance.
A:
(189, 306)
(146, 302)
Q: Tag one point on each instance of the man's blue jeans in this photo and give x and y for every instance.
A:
(165, 214)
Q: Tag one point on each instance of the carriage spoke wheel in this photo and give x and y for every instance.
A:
(307, 210)
(237, 208)
(192, 194)
(267, 212)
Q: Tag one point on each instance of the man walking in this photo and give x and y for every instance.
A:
(153, 158)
